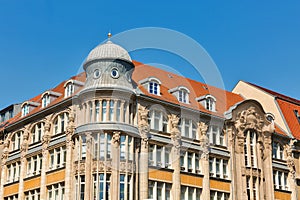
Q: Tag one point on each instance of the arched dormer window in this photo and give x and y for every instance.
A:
(182, 94)
(49, 96)
(71, 86)
(25, 110)
(16, 140)
(37, 132)
(60, 123)
(152, 84)
(208, 102)
(27, 106)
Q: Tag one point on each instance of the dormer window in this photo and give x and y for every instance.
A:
(45, 100)
(297, 115)
(48, 97)
(71, 86)
(69, 90)
(183, 96)
(153, 88)
(25, 110)
(208, 102)
(27, 107)
(181, 93)
(152, 84)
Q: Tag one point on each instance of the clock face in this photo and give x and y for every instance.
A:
(97, 73)
(114, 73)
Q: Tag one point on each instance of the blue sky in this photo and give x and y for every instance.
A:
(45, 42)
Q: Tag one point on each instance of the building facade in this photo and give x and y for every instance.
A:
(125, 130)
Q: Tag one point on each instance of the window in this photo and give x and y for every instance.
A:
(13, 172)
(97, 110)
(32, 195)
(183, 96)
(215, 135)
(252, 192)
(188, 128)
(16, 141)
(13, 197)
(118, 112)
(189, 162)
(80, 185)
(37, 132)
(57, 158)
(60, 123)
(217, 195)
(25, 110)
(218, 167)
(122, 186)
(154, 87)
(69, 89)
(158, 121)
(101, 146)
(10, 114)
(104, 111)
(210, 104)
(280, 180)
(159, 190)
(190, 193)
(277, 151)
(45, 100)
(159, 156)
(111, 110)
(34, 165)
(56, 191)
(2, 117)
(250, 149)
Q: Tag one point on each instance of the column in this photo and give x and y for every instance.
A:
(176, 141)
(88, 168)
(115, 176)
(45, 142)
(143, 159)
(204, 160)
(69, 190)
(23, 152)
(268, 172)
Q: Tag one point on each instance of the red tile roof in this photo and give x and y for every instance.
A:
(287, 107)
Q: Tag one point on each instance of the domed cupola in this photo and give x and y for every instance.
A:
(108, 66)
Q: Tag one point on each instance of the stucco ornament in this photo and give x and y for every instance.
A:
(5, 152)
(46, 137)
(116, 138)
(249, 119)
(204, 143)
(70, 128)
(143, 125)
(175, 133)
(290, 158)
(24, 145)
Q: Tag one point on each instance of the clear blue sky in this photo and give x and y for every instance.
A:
(44, 42)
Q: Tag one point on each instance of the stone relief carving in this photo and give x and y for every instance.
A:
(46, 137)
(5, 152)
(143, 125)
(204, 142)
(70, 128)
(249, 119)
(116, 139)
(24, 145)
(290, 158)
(175, 133)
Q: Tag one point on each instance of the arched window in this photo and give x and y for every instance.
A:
(250, 149)
(16, 140)
(45, 100)
(154, 87)
(25, 109)
(37, 132)
(210, 104)
(69, 89)
(183, 96)
(60, 123)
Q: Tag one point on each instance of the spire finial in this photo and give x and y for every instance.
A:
(109, 35)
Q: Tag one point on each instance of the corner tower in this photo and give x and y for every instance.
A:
(104, 140)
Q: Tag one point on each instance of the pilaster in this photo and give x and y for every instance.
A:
(115, 176)
(88, 168)
(204, 143)
(176, 141)
(23, 152)
(143, 159)
(4, 157)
